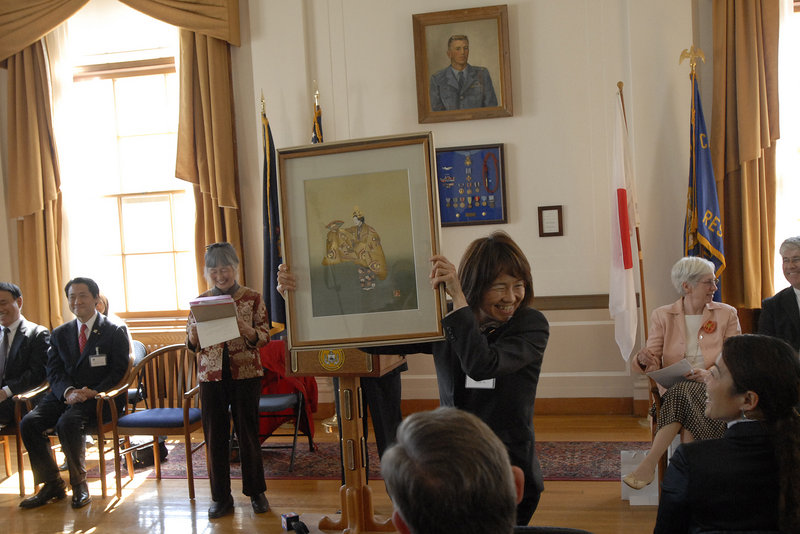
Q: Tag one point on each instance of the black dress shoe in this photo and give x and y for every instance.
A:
(260, 503)
(80, 495)
(219, 509)
(55, 490)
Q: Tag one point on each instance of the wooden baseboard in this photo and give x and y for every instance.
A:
(548, 406)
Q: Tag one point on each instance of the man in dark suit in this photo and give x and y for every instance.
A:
(86, 356)
(780, 314)
(23, 351)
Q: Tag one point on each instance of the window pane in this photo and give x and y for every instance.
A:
(147, 162)
(187, 279)
(107, 272)
(141, 105)
(146, 224)
(90, 151)
(151, 282)
(107, 232)
(184, 212)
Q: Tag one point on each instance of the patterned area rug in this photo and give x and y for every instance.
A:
(560, 460)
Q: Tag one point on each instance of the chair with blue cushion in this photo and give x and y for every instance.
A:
(170, 386)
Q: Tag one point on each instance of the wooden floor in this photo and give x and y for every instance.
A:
(151, 507)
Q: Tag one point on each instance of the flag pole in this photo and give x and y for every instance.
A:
(638, 236)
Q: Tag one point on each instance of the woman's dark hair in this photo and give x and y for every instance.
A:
(770, 368)
(487, 258)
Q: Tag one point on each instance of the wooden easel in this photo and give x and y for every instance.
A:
(349, 365)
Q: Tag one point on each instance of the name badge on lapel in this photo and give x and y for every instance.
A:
(479, 384)
(97, 360)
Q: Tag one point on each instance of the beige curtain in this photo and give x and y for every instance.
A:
(744, 130)
(33, 195)
(24, 22)
(206, 145)
(215, 18)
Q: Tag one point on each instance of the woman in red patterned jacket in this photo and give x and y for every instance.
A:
(230, 385)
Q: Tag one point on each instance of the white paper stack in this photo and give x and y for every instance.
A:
(216, 319)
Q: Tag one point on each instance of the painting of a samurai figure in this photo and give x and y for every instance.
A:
(365, 265)
(359, 244)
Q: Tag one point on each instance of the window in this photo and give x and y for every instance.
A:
(130, 222)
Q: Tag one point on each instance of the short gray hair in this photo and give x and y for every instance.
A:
(221, 255)
(448, 472)
(690, 270)
(789, 243)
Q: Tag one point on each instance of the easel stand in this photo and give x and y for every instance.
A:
(349, 364)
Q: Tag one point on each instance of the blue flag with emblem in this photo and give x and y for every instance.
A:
(272, 232)
(316, 128)
(703, 230)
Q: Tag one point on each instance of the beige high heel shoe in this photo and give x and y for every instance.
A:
(635, 483)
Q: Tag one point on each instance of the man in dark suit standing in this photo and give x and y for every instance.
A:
(23, 350)
(86, 356)
(780, 315)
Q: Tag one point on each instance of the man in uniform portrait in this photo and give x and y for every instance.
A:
(461, 85)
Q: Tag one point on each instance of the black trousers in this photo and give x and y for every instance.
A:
(220, 401)
(71, 423)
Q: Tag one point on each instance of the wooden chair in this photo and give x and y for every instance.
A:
(169, 377)
(102, 426)
(21, 400)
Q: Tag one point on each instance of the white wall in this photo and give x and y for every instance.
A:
(566, 59)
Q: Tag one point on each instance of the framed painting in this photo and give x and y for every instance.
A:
(358, 227)
(472, 185)
(463, 64)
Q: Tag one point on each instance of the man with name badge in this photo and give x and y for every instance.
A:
(86, 356)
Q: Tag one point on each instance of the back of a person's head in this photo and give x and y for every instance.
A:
(448, 472)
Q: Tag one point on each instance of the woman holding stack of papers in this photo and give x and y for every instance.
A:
(692, 328)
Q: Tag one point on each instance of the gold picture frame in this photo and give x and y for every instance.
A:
(358, 226)
(439, 97)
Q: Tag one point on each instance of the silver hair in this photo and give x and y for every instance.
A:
(789, 243)
(221, 255)
(448, 472)
(690, 270)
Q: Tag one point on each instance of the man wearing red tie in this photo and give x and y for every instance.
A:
(86, 356)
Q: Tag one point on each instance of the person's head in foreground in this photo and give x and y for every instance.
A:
(758, 377)
(448, 472)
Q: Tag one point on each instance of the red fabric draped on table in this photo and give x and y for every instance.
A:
(273, 359)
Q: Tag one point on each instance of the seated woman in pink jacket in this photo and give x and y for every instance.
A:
(694, 327)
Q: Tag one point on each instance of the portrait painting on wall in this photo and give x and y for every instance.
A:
(462, 64)
(358, 226)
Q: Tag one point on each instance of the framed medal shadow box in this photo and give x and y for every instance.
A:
(472, 185)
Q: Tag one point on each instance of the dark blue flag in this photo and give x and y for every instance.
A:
(316, 128)
(272, 232)
(703, 230)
